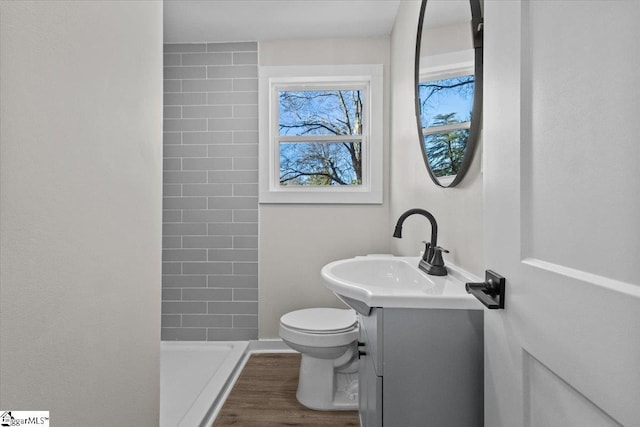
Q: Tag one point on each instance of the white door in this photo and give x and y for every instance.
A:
(562, 206)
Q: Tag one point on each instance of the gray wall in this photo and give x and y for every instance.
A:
(80, 223)
(210, 210)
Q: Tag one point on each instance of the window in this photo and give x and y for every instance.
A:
(446, 101)
(321, 134)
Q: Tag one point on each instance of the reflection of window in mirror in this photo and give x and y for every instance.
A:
(446, 103)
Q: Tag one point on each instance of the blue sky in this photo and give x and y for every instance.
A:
(448, 101)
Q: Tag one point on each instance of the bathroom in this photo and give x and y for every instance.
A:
(82, 172)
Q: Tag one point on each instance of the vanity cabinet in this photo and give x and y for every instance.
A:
(421, 367)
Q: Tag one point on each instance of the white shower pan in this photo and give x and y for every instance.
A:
(192, 377)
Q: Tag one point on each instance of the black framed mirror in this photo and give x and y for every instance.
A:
(448, 82)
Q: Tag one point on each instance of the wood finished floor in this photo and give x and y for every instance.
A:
(265, 396)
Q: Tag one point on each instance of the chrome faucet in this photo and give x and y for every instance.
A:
(431, 262)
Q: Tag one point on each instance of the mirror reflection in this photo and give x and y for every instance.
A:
(448, 86)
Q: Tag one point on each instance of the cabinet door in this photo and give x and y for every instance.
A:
(433, 367)
(370, 380)
(370, 393)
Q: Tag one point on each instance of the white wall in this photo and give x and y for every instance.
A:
(81, 210)
(458, 210)
(446, 39)
(297, 240)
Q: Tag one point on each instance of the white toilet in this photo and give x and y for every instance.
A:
(328, 341)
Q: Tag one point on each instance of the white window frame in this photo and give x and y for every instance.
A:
(273, 79)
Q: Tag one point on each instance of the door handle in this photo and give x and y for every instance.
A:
(490, 292)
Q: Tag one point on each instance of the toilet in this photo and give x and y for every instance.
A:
(327, 338)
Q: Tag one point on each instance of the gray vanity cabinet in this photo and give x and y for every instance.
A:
(421, 367)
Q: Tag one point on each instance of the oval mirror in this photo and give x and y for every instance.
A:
(448, 72)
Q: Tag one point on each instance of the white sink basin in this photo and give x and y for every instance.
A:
(388, 281)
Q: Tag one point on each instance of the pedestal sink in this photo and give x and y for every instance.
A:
(388, 281)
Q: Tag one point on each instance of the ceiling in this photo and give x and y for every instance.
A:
(193, 21)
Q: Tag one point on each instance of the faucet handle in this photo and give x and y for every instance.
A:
(437, 260)
(428, 251)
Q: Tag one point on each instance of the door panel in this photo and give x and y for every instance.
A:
(562, 198)
(580, 135)
(551, 402)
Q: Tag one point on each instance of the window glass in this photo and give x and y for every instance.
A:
(319, 164)
(446, 151)
(315, 118)
(320, 112)
(444, 97)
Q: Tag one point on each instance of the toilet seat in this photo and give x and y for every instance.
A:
(321, 320)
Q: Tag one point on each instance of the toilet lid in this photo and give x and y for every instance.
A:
(321, 320)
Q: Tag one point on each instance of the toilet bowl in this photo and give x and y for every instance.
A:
(327, 338)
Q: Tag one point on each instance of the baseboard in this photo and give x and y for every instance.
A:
(275, 345)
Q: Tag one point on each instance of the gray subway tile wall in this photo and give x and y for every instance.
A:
(210, 207)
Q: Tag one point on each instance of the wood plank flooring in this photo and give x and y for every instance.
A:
(265, 396)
